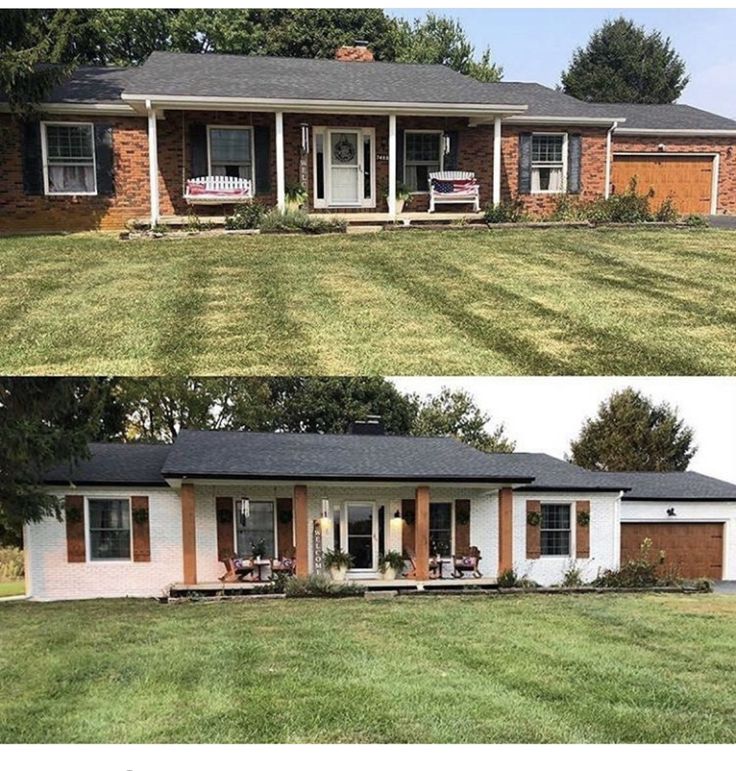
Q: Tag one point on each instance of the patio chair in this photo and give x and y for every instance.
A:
(237, 569)
(412, 572)
(466, 563)
(454, 187)
(283, 566)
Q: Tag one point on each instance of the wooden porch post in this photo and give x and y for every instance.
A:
(392, 166)
(496, 161)
(505, 529)
(153, 163)
(280, 171)
(188, 533)
(421, 533)
(301, 529)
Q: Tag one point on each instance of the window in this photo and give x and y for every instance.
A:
(231, 152)
(555, 529)
(440, 529)
(422, 157)
(109, 528)
(258, 526)
(69, 159)
(548, 163)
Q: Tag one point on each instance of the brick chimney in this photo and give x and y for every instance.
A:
(358, 52)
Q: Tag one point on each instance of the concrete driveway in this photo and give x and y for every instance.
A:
(723, 222)
(724, 587)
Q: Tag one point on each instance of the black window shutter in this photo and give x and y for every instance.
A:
(32, 158)
(400, 157)
(105, 169)
(262, 141)
(198, 150)
(574, 162)
(525, 164)
(451, 158)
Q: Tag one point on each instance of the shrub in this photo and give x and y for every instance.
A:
(568, 208)
(246, 216)
(319, 586)
(11, 563)
(621, 207)
(667, 211)
(296, 220)
(508, 579)
(511, 210)
(703, 585)
(572, 576)
(641, 572)
(696, 221)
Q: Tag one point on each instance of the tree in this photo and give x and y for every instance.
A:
(455, 413)
(44, 422)
(439, 40)
(36, 53)
(631, 433)
(624, 63)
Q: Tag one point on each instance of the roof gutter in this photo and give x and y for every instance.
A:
(531, 120)
(362, 478)
(79, 108)
(679, 132)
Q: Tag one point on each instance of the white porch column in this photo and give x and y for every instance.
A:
(392, 166)
(496, 161)
(153, 163)
(280, 173)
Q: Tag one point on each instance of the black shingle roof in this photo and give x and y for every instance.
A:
(548, 102)
(668, 116)
(674, 485)
(111, 464)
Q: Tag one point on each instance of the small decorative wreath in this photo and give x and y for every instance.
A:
(462, 517)
(140, 515)
(285, 516)
(583, 518)
(408, 517)
(534, 518)
(224, 516)
(73, 514)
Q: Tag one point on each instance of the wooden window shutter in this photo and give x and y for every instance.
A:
(74, 515)
(399, 156)
(262, 163)
(451, 159)
(582, 529)
(533, 531)
(32, 159)
(105, 161)
(198, 150)
(284, 527)
(141, 530)
(408, 512)
(574, 162)
(525, 164)
(462, 526)
(225, 513)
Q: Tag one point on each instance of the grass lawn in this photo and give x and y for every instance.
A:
(632, 302)
(12, 588)
(629, 668)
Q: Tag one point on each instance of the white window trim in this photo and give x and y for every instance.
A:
(88, 534)
(571, 555)
(45, 157)
(374, 535)
(272, 501)
(231, 127)
(324, 131)
(564, 136)
(440, 135)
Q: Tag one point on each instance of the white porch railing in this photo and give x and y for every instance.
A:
(217, 190)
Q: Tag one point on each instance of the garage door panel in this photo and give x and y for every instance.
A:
(687, 179)
(694, 549)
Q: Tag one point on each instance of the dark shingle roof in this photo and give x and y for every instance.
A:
(668, 117)
(111, 464)
(674, 485)
(271, 77)
(92, 85)
(548, 102)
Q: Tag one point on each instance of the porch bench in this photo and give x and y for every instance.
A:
(454, 187)
(217, 190)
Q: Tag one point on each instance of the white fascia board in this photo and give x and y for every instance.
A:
(532, 120)
(78, 108)
(678, 132)
(325, 106)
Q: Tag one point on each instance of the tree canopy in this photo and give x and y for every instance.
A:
(632, 433)
(622, 62)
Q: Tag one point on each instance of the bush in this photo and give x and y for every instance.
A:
(296, 220)
(319, 586)
(696, 221)
(641, 572)
(246, 216)
(508, 579)
(667, 211)
(568, 208)
(572, 577)
(628, 207)
(506, 211)
(11, 563)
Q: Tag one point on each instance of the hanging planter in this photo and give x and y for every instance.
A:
(583, 518)
(534, 518)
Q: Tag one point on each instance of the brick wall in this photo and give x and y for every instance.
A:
(724, 146)
(22, 213)
(592, 172)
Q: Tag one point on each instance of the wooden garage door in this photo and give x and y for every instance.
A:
(687, 178)
(695, 549)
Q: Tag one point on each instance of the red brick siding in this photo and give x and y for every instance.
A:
(21, 213)
(724, 146)
(592, 173)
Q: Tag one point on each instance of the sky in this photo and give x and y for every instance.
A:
(536, 44)
(542, 414)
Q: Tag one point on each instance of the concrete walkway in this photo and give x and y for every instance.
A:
(724, 587)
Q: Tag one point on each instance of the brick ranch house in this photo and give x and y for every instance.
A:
(141, 519)
(118, 144)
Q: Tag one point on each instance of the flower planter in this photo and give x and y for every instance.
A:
(338, 574)
(389, 574)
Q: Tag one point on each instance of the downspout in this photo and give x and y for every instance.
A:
(607, 191)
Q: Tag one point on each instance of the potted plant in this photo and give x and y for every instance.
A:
(338, 563)
(391, 564)
(403, 194)
(296, 196)
(258, 549)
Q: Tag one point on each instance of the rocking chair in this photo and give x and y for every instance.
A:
(237, 569)
(412, 572)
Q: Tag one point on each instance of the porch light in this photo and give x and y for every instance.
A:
(305, 138)
(671, 512)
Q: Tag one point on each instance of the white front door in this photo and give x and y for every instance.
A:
(361, 527)
(345, 168)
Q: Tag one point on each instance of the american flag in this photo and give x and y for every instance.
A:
(464, 186)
